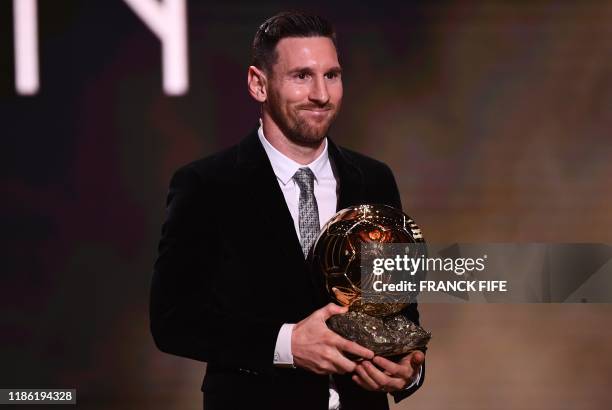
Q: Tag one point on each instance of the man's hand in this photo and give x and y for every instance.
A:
(318, 349)
(393, 377)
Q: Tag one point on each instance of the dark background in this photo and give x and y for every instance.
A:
(495, 117)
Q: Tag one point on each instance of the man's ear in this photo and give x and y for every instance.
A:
(257, 83)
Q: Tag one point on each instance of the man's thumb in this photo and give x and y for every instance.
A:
(417, 358)
(332, 309)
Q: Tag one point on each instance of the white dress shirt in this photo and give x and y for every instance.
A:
(325, 192)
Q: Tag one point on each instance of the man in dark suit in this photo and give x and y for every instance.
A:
(231, 286)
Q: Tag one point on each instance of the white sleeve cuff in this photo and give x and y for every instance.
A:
(416, 380)
(282, 352)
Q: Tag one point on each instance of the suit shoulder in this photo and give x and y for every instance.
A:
(364, 162)
(213, 166)
(377, 178)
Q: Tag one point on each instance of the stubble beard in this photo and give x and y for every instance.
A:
(298, 129)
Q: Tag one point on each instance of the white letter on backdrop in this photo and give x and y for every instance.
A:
(167, 19)
(25, 31)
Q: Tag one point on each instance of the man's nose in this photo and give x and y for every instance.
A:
(318, 92)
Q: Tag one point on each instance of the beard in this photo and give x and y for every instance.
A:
(299, 129)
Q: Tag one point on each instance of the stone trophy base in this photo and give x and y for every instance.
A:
(388, 336)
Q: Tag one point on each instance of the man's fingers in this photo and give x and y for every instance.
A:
(332, 309)
(357, 379)
(344, 365)
(365, 377)
(389, 383)
(394, 369)
(354, 348)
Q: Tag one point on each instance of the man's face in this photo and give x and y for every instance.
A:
(305, 88)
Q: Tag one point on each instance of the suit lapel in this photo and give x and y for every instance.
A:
(350, 179)
(263, 192)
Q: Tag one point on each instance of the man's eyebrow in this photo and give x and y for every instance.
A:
(308, 70)
(296, 70)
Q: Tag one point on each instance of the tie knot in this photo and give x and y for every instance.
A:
(304, 178)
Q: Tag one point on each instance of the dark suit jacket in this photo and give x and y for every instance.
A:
(230, 272)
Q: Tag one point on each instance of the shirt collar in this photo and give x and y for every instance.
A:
(284, 167)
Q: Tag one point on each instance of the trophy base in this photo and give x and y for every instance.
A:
(388, 336)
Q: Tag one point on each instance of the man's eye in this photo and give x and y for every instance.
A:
(301, 76)
(332, 75)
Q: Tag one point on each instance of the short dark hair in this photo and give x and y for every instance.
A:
(282, 25)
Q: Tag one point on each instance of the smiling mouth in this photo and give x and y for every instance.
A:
(317, 113)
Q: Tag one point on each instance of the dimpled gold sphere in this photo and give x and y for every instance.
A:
(337, 251)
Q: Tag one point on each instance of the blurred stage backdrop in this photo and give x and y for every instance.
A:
(495, 117)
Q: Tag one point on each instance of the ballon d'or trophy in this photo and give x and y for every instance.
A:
(338, 254)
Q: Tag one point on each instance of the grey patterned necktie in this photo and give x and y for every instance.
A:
(308, 210)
